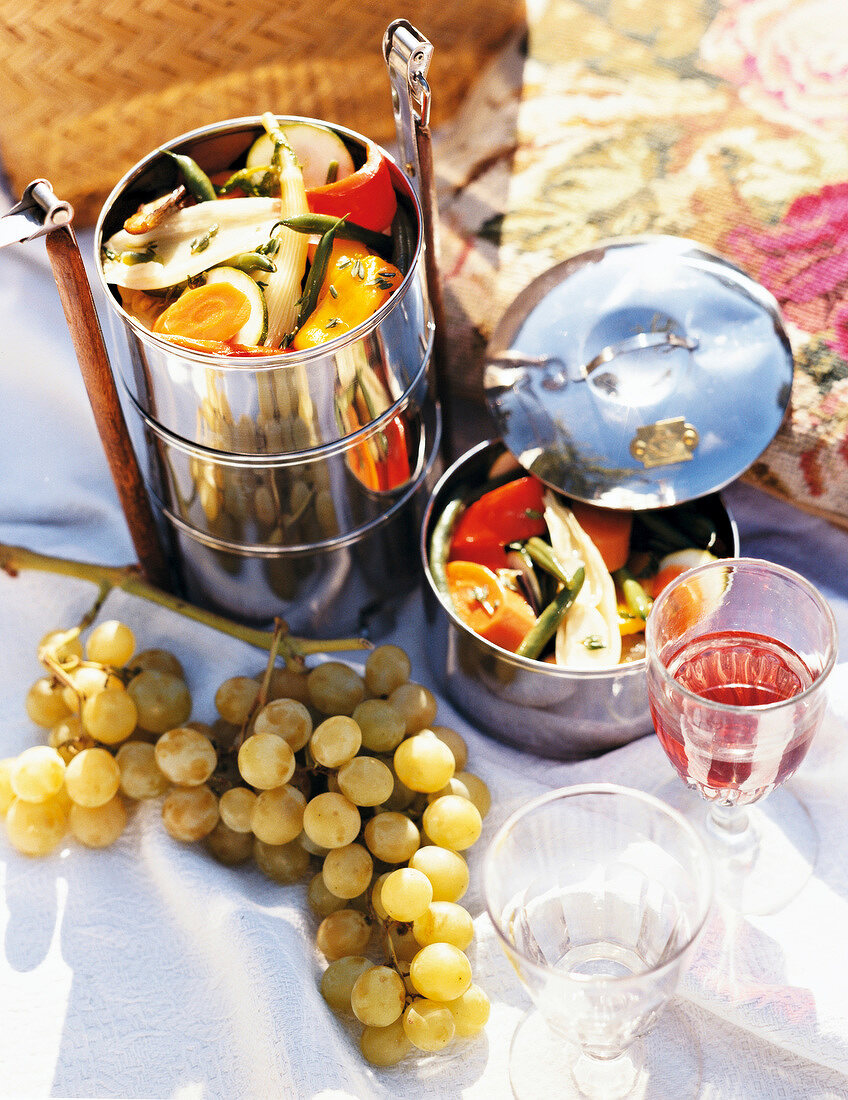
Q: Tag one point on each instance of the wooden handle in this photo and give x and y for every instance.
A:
(87, 336)
(430, 212)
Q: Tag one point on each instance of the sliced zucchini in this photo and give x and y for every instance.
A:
(255, 329)
(315, 147)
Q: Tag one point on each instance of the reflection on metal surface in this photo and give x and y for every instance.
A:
(664, 443)
(322, 587)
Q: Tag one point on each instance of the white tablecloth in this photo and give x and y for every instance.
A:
(148, 970)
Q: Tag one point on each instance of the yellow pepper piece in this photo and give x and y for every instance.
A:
(356, 285)
(629, 624)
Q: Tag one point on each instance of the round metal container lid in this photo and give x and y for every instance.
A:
(643, 373)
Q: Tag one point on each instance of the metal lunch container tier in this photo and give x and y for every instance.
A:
(251, 463)
(227, 405)
(294, 535)
(643, 374)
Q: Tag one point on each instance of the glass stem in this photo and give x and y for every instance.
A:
(730, 829)
(605, 1078)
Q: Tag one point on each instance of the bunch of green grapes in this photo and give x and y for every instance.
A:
(101, 704)
(390, 830)
(327, 774)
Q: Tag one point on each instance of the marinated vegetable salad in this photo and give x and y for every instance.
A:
(287, 252)
(557, 580)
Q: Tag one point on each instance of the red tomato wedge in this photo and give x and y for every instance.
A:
(510, 513)
(365, 197)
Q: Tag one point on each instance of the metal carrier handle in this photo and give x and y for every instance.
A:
(663, 340)
(408, 54)
(41, 214)
(506, 368)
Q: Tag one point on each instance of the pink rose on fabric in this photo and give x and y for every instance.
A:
(803, 261)
(789, 60)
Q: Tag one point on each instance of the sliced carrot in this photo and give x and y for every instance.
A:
(191, 343)
(609, 529)
(222, 347)
(476, 593)
(515, 621)
(214, 311)
(495, 612)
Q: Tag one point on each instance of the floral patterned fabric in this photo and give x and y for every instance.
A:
(724, 121)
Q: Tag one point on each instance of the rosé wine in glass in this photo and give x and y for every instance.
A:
(738, 652)
(736, 669)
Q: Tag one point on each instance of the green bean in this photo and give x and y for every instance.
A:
(249, 180)
(196, 180)
(332, 172)
(543, 555)
(252, 261)
(546, 625)
(637, 599)
(346, 231)
(440, 543)
(315, 278)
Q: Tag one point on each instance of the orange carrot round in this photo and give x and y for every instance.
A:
(514, 622)
(495, 612)
(608, 529)
(214, 311)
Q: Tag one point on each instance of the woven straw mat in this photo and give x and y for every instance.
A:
(88, 87)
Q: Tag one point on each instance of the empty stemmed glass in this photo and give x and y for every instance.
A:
(598, 894)
(738, 652)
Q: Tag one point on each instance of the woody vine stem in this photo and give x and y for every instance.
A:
(294, 650)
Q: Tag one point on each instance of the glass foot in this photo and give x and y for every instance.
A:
(664, 1063)
(762, 873)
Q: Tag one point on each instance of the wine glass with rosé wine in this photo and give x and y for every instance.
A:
(738, 652)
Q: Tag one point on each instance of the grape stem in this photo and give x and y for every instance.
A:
(280, 632)
(15, 559)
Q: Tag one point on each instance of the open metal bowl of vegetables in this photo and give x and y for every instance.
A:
(628, 385)
(499, 636)
(273, 336)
